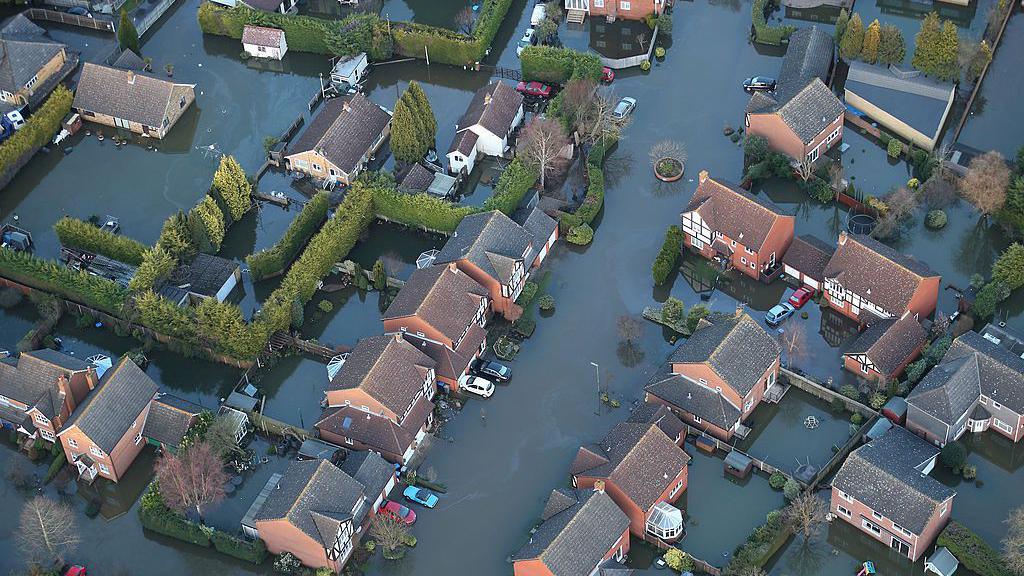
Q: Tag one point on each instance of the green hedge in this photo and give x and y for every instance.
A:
(594, 199)
(36, 133)
(75, 233)
(255, 552)
(665, 262)
(275, 259)
(418, 210)
(557, 65)
(513, 184)
(49, 276)
(973, 552)
(763, 33)
(156, 265)
(58, 462)
(760, 545)
(447, 46)
(156, 516)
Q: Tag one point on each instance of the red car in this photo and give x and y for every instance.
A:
(607, 75)
(801, 296)
(534, 89)
(75, 570)
(398, 512)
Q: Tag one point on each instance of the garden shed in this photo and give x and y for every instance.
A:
(738, 464)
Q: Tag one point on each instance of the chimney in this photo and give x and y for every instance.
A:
(842, 237)
(346, 105)
(453, 268)
(131, 77)
(599, 486)
(702, 176)
(487, 99)
(398, 336)
(739, 308)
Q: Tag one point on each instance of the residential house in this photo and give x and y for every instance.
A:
(442, 311)
(644, 470)
(866, 279)
(485, 128)
(131, 100)
(905, 102)
(802, 118)
(31, 64)
(883, 488)
(978, 385)
(104, 434)
(129, 60)
(543, 229)
(207, 276)
(496, 252)
(280, 6)
(724, 222)
(342, 138)
(624, 9)
(263, 42)
(885, 348)
(376, 474)
(806, 259)
(380, 399)
(39, 390)
(169, 419)
(581, 530)
(717, 376)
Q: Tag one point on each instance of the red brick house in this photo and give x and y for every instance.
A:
(624, 9)
(582, 532)
(885, 348)
(39, 390)
(643, 470)
(866, 279)
(725, 222)
(884, 490)
(716, 377)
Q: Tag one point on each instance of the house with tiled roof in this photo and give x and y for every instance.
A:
(806, 258)
(581, 530)
(886, 347)
(717, 376)
(884, 490)
(105, 433)
(644, 470)
(31, 63)
(380, 399)
(495, 251)
(206, 276)
(866, 279)
(376, 474)
(725, 223)
(485, 128)
(802, 118)
(542, 228)
(169, 419)
(131, 100)
(264, 42)
(978, 386)
(341, 139)
(442, 311)
(39, 390)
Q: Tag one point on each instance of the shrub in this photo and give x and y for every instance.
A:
(524, 326)
(697, 312)
(759, 546)
(75, 233)
(665, 261)
(894, 148)
(557, 65)
(850, 391)
(819, 189)
(856, 419)
(232, 187)
(837, 405)
(777, 480)
(39, 128)
(970, 472)
(935, 219)
(877, 400)
(513, 184)
(421, 211)
(546, 302)
(275, 259)
(581, 235)
(915, 371)
(645, 65)
(678, 560)
(254, 552)
(287, 563)
(659, 52)
(156, 516)
(988, 299)
(156, 265)
(672, 311)
(53, 278)
(791, 489)
(206, 221)
(58, 462)
(529, 291)
(953, 456)
(763, 33)
(972, 552)
(1009, 267)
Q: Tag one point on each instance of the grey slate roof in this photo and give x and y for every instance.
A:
(1001, 372)
(464, 142)
(387, 368)
(809, 55)
(417, 179)
(575, 540)
(370, 470)
(691, 397)
(129, 60)
(873, 270)
(24, 50)
(205, 275)
(451, 363)
(493, 107)
(32, 379)
(344, 131)
(885, 474)
(738, 349)
(265, 5)
(918, 101)
(377, 431)
(107, 414)
(169, 419)
(540, 226)
(491, 241)
(890, 343)
(660, 415)
(442, 296)
(126, 94)
(811, 110)
(810, 255)
(734, 212)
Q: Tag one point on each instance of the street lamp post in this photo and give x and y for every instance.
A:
(597, 369)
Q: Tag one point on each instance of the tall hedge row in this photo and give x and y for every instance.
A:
(156, 516)
(418, 210)
(513, 184)
(275, 259)
(763, 32)
(36, 133)
(75, 233)
(74, 285)
(557, 65)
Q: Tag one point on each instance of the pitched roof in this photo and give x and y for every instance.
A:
(127, 94)
(344, 131)
(129, 60)
(108, 412)
(734, 212)
(918, 101)
(24, 50)
(876, 272)
(809, 254)
(890, 343)
(262, 36)
(809, 55)
(538, 224)
(738, 349)
(678, 390)
(205, 275)
(169, 419)
(265, 5)
(451, 363)
(387, 368)
(442, 296)
(811, 110)
(885, 474)
(660, 415)
(377, 431)
(1001, 372)
(370, 470)
(417, 179)
(464, 142)
(576, 539)
(32, 379)
(493, 107)
(490, 240)
(641, 460)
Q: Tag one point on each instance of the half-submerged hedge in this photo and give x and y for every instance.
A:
(156, 516)
(513, 184)
(760, 545)
(51, 277)
(763, 33)
(973, 552)
(421, 210)
(274, 260)
(255, 552)
(557, 65)
(36, 133)
(75, 233)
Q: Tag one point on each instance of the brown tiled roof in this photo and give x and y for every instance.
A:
(24, 50)
(169, 419)
(464, 142)
(376, 431)
(492, 241)
(494, 107)
(729, 209)
(809, 254)
(876, 272)
(417, 179)
(127, 95)
(442, 296)
(451, 363)
(344, 131)
(387, 368)
(262, 36)
(107, 414)
(890, 343)
(738, 349)
(32, 380)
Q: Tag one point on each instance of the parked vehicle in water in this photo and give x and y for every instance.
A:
(624, 108)
(398, 512)
(420, 496)
(535, 89)
(607, 75)
(778, 313)
(528, 39)
(495, 370)
(476, 385)
(759, 84)
(802, 296)
(15, 118)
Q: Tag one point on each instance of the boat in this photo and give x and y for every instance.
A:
(110, 224)
(15, 238)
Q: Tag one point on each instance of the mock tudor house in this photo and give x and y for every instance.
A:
(31, 64)
(131, 100)
(806, 259)
(978, 386)
(542, 228)
(338, 143)
(724, 222)
(644, 471)
(380, 399)
(802, 118)
(581, 533)
(885, 348)
(39, 390)
(484, 129)
(866, 279)
(625, 9)
(442, 311)
(263, 42)
(883, 488)
(715, 379)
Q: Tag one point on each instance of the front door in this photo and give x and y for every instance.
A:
(900, 546)
(121, 123)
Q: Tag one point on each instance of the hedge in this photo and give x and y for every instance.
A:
(418, 210)
(973, 552)
(557, 65)
(594, 199)
(513, 184)
(275, 259)
(255, 552)
(74, 285)
(665, 261)
(760, 545)
(763, 33)
(75, 233)
(58, 462)
(39, 128)
(156, 516)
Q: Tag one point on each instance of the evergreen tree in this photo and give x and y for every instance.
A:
(948, 52)
(176, 238)
(853, 39)
(980, 59)
(891, 46)
(926, 45)
(872, 38)
(406, 143)
(206, 222)
(127, 36)
(233, 187)
(425, 114)
(380, 276)
(841, 24)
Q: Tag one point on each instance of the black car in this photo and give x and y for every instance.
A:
(494, 370)
(759, 84)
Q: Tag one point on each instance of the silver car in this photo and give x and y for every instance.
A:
(624, 108)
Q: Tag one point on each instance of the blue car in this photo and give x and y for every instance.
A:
(420, 496)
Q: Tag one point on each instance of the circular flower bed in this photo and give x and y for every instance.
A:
(668, 169)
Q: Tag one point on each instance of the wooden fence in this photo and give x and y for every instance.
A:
(72, 19)
(984, 71)
(727, 448)
(841, 455)
(827, 394)
(620, 63)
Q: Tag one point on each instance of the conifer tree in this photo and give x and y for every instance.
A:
(872, 38)
(127, 36)
(841, 23)
(926, 45)
(853, 39)
(233, 187)
(948, 51)
(891, 46)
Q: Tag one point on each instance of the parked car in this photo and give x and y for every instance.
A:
(398, 512)
(499, 372)
(420, 496)
(624, 108)
(802, 295)
(476, 385)
(607, 75)
(528, 39)
(538, 14)
(79, 11)
(15, 118)
(759, 84)
(777, 314)
(76, 570)
(535, 89)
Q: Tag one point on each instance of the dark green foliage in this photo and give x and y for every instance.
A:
(206, 221)
(546, 302)
(841, 23)
(580, 235)
(819, 189)
(763, 33)
(447, 46)
(775, 165)
(254, 552)
(936, 48)
(850, 391)
(988, 299)
(672, 311)
(425, 114)
(156, 265)
(664, 23)
(524, 326)
(75, 233)
(954, 456)
(275, 259)
(127, 36)
(891, 46)
(513, 184)
(972, 552)
(916, 370)
(557, 65)
(528, 293)
(176, 237)
(777, 480)
(418, 210)
(37, 132)
(755, 149)
(221, 326)
(872, 38)
(232, 187)
(156, 516)
(697, 312)
(837, 405)
(759, 547)
(851, 45)
(58, 462)
(594, 199)
(49, 276)
(407, 132)
(665, 261)
(380, 276)
(164, 316)
(935, 219)
(1009, 267)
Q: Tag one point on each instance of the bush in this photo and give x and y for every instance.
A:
(777, 480)
(580, 235)
(970, 472)
(935, 219)
(254, 552)
(916, 370)
(325, 306)
(988, 299)
(856, 419)
(75, 233)
(894, 148)
(529, 291)
(645, 65)
(697, 312)
(513, 184)
(972, 552)
(819, 189)
(759, 546)
(546, 302)
(58, 462)
(953, 456)
(665, 261)
(156, 516)
(659, 52)
(672, 311)
(850, 391)
(524, 326)
(156, 265)
(763, 33)
(557, 65)
(39, 128)
(53, 278)
(421, 211)
(838, 406)
(791, 489)
(275, 259)
(678, 560)
(877, 400)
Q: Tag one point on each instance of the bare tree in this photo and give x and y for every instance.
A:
(192, 479)
(220, 437)
(835, 176)
(986, 181)
(806, 169)
(629, 328)
(668, 149)
(595, 121)
(641, 39)
(805, 514)
(941, 324)
(541, 145)
(1013, 544)
(794, 342)
(389, 532)
(938, 192)
(902, 203)
(464, 20)
(47, 531)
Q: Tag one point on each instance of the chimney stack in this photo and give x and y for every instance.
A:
(599, 486)
(131, 77)
(842, 237)
(453, 268)
(487, 99)
(739, 309)
(702, 176)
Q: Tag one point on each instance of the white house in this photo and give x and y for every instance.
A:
(493, 115)
(349, 70)
(262, 42)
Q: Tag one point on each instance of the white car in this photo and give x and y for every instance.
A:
(16, 119)
(526, 40)
(476, 385)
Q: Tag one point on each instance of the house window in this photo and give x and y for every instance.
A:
(812, 155)
(864, 367)
(899, 528)
(302, 164)
(47, 434)
(600, 44)
(743, 259)
(349, 441)
(872, 527)
(261, 49)
(72, 443)
(748, 405)
(945, 508)
(753, 266)
(844, 510)
(748, 250)
(599, 4)
(983, 401)
(732, 244)
(996, 405)
(138, 438)
(181, 102)
(96, 452)
(42, 419)
(32, 82)
(771, 378)
(166, 122)
(697, 419)
(104, 469)
(845, 496)
(696, 243)
(624, 5)
(1002, 425)
(316, 167)
(877, 515)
